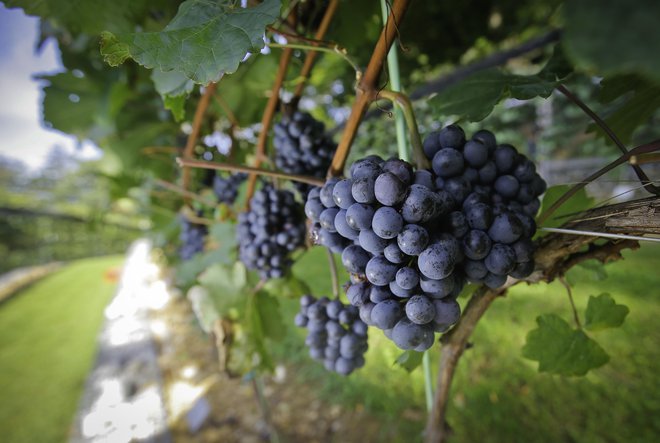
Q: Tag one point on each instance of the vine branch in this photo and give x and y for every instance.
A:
(366, 89)
(248, 170)
(202, 105)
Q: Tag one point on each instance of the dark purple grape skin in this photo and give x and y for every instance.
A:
(494, 281)
(524, 249)
(437, 261)
(327, 219)
(358, 294)
(487, 138)
(505, 158)
(313, 209)
(437, 288)
(457, 224)
(326, 193)
(372, 242)
(413, 239)
(447, 312)
(420, 310)
(459, 188)
(355, 259)
(386, 314)
(475, 270)
(476, 244)
(424, 178)
(500, 260)
(365, 313)
(431, 144)
(401, 168)
(506, 228)
(408, 335)
(389, 189)
(387, 223)
(407, 278)
(448, 162)
(420, 205)
(523, 270)
(359, 216)
(487, 173)
(363, 190)
(380, 271)
(479, 216)
(342, 227)
(394, 254)
(475, 153)
(399, 291)
(342, 194)
(507, 186)
(451, 136)
(378, 294)
(525, 171)
(365, 168)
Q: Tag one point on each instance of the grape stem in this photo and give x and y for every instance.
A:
(337, 50)
(249, 170)
(366, 88)
(404, 103)
(334, 277)
(428, 382)
(564, 283)
(202, 105)
(187, 194)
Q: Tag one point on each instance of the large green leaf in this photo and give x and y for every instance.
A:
(89, 16)
(603, 312)
(227, 285)
(641, 102)
(203, 307)
(174, 87)
(562, 350)
(205, 40)
(475, 97)
(614, 36)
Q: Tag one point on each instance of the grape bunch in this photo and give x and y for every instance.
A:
(302, 147)
(412, 238)
(272, 228)
(226, 188)
(336, 336)
(192, 238)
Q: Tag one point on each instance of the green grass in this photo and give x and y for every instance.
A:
(498, 396)
(47, 345)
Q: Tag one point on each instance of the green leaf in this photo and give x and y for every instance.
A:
(289, 287)
(562, 350)
(89, 16)
(642, 101)
(475, 97)
(224, 238)
(272, 325)
(613, 36)
(409, 360)
(603, 312)
(203, 307)
(174, 87)
(204, 41)
(226, 284)
(577, 203)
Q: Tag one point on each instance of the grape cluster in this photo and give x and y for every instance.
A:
(302, 147)
(412, 238)
(336, 335)
(226, 187)
(272, 228)
(192, 238)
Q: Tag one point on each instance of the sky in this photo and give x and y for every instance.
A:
(24, 137)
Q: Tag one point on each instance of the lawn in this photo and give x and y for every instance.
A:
(47, 346)
(498, 396)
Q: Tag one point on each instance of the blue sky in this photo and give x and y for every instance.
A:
(23, 135)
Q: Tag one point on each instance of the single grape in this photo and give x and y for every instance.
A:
(380, 271)
(500, 260)
(451, 136)
(386, 314)
(505, 158)
(389, 189)
(448, 162)
(387, 222)
(476, 244)
(420, 310)
(355, 259)
(447, 312)
(413, 239)
(408, 335)
(372, 242)
(407, 277)
(359, 216)
(506, 228)
(342, 193)
(475, 153)
(437, 261)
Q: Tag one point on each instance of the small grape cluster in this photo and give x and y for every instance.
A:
(412, 238)
(336, 335)
(226, 187)
(272, 228)
(192, 238)
(302, 147)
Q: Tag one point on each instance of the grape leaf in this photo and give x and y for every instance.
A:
(409, 360)
(204, 40)
(187, 271)
(272, 325)
(603, 312)
(577, 203)
(174, 87)
(89, 16)
(562, 350)
(203, 307)
(289, 286)
(641, 103)
(223, 236)
(589, 39)
(226, 284)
